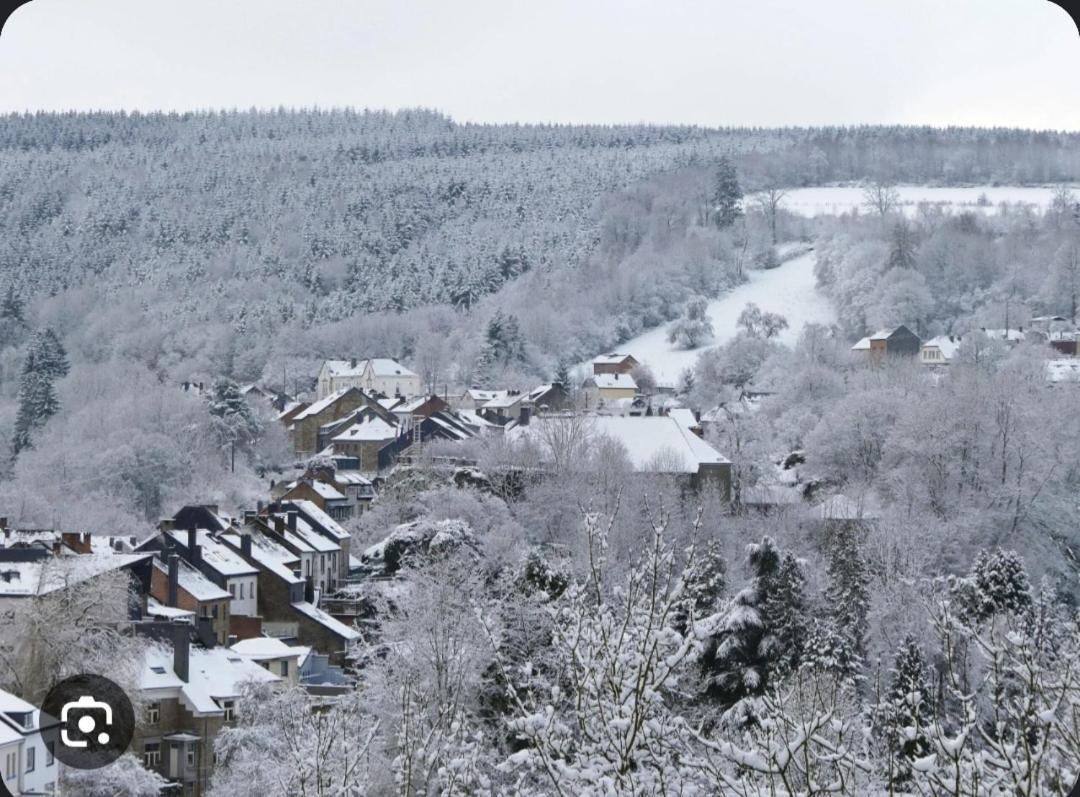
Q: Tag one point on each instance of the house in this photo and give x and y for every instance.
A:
(28, 573)
(371, 440)
(614, 364)
(189, 694)
(286, 596)
(607, 387)
(890, 342)
(274, 656)
(27, 763)
(940, 350)
(379, 375)
(219, 563)
(304, 426)
(474, 398)
(505, 408)
(1012, 337)
(654, 445)
(176, 585)
(550, 397)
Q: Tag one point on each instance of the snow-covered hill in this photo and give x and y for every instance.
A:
(788, 290)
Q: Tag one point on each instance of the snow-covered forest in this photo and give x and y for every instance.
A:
(884, 604)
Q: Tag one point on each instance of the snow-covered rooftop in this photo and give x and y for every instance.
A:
(380, 366)
(375, 429)
(611, 359)
(266, 647)
(275, 558)
(326, 621)
(319, 517)
(862, 345)
(607, 381)
(214, 675)
(1065, 369)
(320, 405)
(42, 576)
(654, 444)
(155, 608)
(195, 583)
(219, 556)
(948, 345)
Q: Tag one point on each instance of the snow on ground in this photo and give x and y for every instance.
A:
(831, 200)
(788, 290)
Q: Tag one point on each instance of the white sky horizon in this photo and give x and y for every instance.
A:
(758, 63)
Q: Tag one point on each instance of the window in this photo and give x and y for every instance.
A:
(50, 753)
(251, 591)
(153, 713)
(232, 590)
(214, 612)
(230, 709)
(11, 766)
(191, 755)
(241, 591)
(152, 755)
(285, 669)
(31, 758)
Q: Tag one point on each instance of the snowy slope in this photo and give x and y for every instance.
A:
(788, 290)
(836, 199)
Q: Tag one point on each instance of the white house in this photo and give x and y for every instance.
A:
(224, 566)
(940, 350)
(27, 764)
(380, 374)
(274, 656)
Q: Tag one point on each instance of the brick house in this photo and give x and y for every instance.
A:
(178, 585)
(304, 426)
(614, 364)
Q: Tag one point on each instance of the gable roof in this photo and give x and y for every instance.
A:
(271, 556)
(215, 553)
(948, 345)
(325, 403)
(613, 358)
(380, 366)
(214, 675)
(373, 429)
(53, 573)
(194, 583)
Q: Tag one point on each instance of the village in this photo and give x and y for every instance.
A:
(278, 594)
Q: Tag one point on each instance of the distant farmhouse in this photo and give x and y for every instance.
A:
(897, 341)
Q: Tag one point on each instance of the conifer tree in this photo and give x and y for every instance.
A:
(562, 374)
(785, 613)
(37, 403)
(906, 712)
(847, 596)
(997, 584)
(12, 322)
(737, 658)
(50, 357)
(727, 194)
(703, 582)
(235, 423)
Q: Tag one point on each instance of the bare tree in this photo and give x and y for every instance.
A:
(769, 201)
(880, 197)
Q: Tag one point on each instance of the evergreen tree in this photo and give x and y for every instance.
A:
(901, 245)
(785, 613)
(37, 403)
(847, 595)
(235, 423)
(49, 354)
(704, 580)
(997, 584)
(503, 343)
(11, 308)
(906, 712)
(727, 195)
(739, 657)
(562, 374)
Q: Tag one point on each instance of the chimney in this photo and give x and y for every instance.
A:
(309, 589)
(205, 631)
(279, 523)
(194, 554)
(174, 579)
(181, 650)
(352, 362)
(291, 515)
(245, 545)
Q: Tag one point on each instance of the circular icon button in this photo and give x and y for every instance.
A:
(96, 721)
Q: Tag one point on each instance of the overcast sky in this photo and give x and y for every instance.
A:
(709, 62)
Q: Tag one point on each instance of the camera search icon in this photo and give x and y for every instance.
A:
(96, 721)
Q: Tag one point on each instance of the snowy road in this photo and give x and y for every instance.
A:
(788, 290)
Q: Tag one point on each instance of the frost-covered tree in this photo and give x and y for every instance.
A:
(758, 323)
(905, 713)
(234, 421)
(847, 595)
(50, 357)
(124, 777)
(284, 741)
(693, 327)
(37, 401)
(727, 194)
(997, 585)
(701, 586)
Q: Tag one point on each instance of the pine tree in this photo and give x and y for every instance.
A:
(901, 245)
(739, 657)
(906, 712)
(37, 403)
(847, 596)
(11, 309)
(704, 580)
(562, 374)
(727, 195)
(235, 423)
(785, 613)
(49, 354)
(997, 584)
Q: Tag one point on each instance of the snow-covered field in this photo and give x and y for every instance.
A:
(836, 199)
(788, 290)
